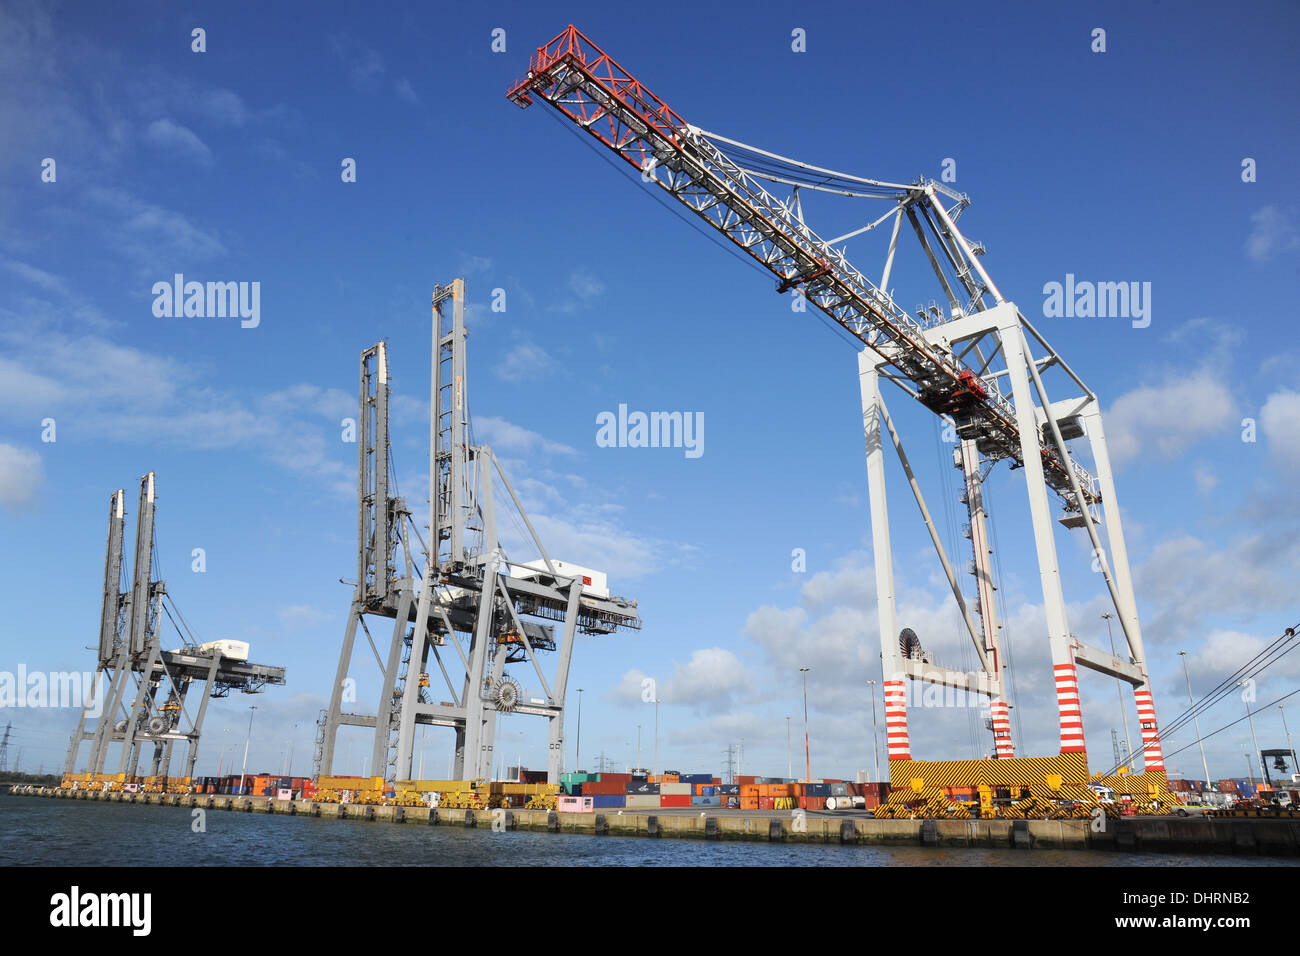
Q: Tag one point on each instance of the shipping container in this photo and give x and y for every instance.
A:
(637, 786)
(606, 801)
(765, 803)
(709, 801)
(813, 803)
(675, 789)
(643, 801)
(674, 799)
(576, 804)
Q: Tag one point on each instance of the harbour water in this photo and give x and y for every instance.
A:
(42, 832)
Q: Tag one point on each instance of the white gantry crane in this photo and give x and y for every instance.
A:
(973, 358)
(458, 602)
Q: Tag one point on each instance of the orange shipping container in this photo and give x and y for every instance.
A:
(750, 790)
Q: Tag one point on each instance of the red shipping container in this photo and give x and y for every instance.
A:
(765, 803)
(675, 800)
(813, 803)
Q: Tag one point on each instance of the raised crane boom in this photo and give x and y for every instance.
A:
(585, 84)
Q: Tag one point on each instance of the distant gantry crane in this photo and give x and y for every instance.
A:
(975, 360)
(140, 690)
(458, 599)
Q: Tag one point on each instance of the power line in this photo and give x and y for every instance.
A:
(1269, 656)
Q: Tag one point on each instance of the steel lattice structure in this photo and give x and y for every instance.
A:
(458, 602)
(131, 653)
(972, 362)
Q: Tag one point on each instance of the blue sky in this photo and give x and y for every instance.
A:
(225, 165)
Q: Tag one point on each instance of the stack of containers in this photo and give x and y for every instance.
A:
(728, 795)
(812, 796)
(606, 794)
(642, 795)
(874, 794)
(674, 793)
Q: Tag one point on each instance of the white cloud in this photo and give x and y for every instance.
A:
(1206, 479)
(405, 92)
(1271, 232)
(506, 437)
(153, 235)
(526, 362)
(298, 617)
(586, 286)
(1168, 419)
(170, 136)
(1279, 420)
(224, 107)
(93, 386)
(21, 476)
(708, 682)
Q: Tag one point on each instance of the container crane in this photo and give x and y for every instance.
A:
(972, 362)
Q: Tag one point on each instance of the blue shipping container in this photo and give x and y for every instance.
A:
(706, 802)
(607, 801)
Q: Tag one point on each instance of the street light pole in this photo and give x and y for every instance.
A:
(875, 729)
(807, 749)
(247, 741)
(789, 762)
(656, 760)
(1205, 766)
(1119, 689)
(577, 755)
(1253, 740)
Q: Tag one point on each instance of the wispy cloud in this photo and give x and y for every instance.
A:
(173, 137)
(1168, 418)
(21, 476)
(1272, 232)
(526, 362)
